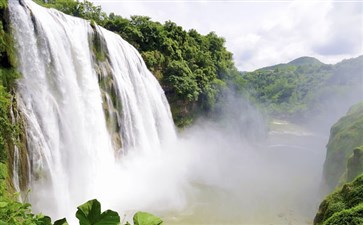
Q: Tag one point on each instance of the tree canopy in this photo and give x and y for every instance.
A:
(192, 68)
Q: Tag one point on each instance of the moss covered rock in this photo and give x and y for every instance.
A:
(344, 206)
(355, 164)
(345, 136)
(353, 216)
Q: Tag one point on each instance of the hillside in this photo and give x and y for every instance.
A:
(304, 86)
(345, 136)
(301, 61)
(344, 163)
(305, 61)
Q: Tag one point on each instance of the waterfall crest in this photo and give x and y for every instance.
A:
(88, 99)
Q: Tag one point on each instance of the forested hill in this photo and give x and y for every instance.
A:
(302, 61)
(193, 69)
(303, 86)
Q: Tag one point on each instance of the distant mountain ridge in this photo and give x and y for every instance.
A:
(301, 61)
(303, 84)
(305, 60)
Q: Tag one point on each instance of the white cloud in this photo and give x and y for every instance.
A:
(264, 33)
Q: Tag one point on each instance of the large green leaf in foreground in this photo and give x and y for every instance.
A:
(90, 214)
(143, 218)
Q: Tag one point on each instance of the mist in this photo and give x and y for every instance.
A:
(230, 171)
(244, 172)
(233, 168)
(236, 167)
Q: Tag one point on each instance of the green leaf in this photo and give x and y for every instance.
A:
(108, 217)
(144, 218)
(90, 214)
(43, 220)
(3, 204)
(3, 171)
(61, 222)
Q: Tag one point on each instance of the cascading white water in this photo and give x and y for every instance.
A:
(88, 99)
(72, 103)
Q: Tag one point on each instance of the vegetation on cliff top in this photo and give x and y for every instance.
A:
(193, 69)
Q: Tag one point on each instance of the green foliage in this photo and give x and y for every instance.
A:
(14, 212)
(181, 79)
(300, 87)
(90, 214)
(344, 206)
(8, 76)
(82, 9)
(61, 222)
(353, 216)
(193, 69)
(345, 136)
(303, 61)
(5, 123)
(144, 218)
(3, 4)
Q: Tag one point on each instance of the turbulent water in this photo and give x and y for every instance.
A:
(98, 125)
(83, 113)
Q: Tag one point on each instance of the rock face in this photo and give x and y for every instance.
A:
(345, 136)
(344, 163)
(355, 164)
(345, 206)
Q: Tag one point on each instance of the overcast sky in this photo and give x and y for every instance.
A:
(262, 33)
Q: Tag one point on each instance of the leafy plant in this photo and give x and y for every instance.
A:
(144, 218)
(90, 214)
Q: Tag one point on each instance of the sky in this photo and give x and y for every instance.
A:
(262, 33)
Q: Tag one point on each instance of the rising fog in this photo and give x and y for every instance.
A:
(234, 170)
(237, 167)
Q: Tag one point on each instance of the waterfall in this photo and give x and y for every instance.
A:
(88, 101)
